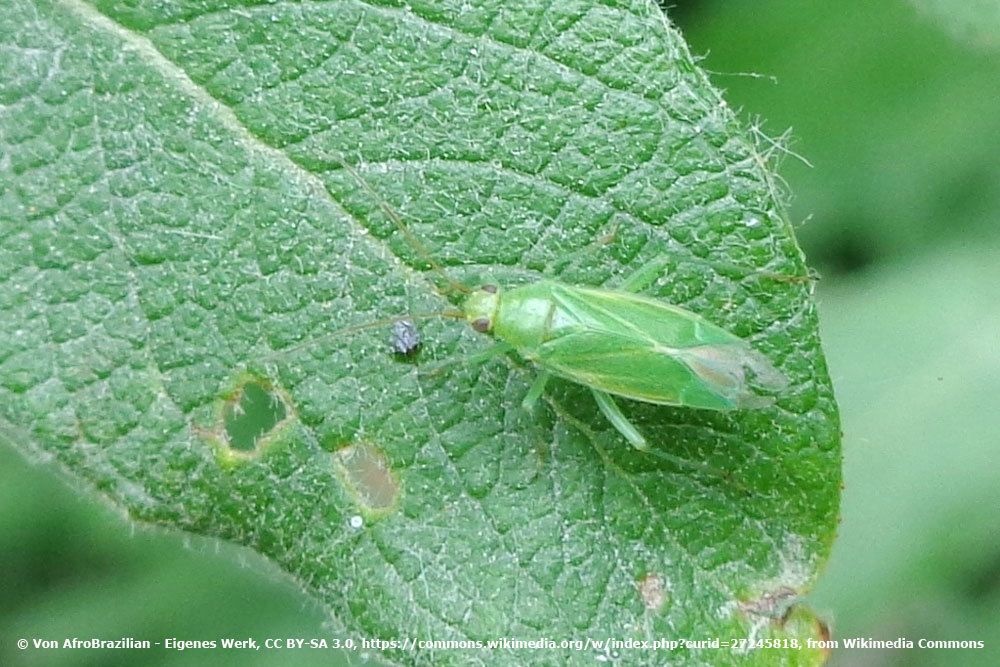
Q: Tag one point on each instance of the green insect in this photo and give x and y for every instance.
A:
(614, 342)
(621, 344)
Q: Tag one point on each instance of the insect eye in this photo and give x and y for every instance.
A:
(482, 325)
(489, 289)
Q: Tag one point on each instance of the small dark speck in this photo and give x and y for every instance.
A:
(405, 337)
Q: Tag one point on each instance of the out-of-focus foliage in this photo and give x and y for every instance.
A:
(72, 568)
(896, 106)
(976, 22)
(915, 350)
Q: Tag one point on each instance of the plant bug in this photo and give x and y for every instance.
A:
(615, 342)
(618, 343)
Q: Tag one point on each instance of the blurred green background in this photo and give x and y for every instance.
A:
(896, 105)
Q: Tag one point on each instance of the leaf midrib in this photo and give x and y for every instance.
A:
(229, 120)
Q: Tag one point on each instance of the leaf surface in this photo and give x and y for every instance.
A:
(189, 277)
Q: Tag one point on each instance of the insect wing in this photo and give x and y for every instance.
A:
(626, 314)
(643, 349)
(628, 367)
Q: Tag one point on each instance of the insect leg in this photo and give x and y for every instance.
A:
(614, 415)
(535, 391)
(645, 275)
(471, 359)
(652, 270)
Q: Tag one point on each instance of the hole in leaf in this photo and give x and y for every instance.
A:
(252, 412)
(367, 476)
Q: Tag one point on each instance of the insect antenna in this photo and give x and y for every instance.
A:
(400, 225)
(355, 328)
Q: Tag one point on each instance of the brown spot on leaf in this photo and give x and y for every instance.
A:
(366, 475)
(652, 591)
(774, 605)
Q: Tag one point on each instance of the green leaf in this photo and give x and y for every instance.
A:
(181, 245)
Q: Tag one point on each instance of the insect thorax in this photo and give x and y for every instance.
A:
(524, 318)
